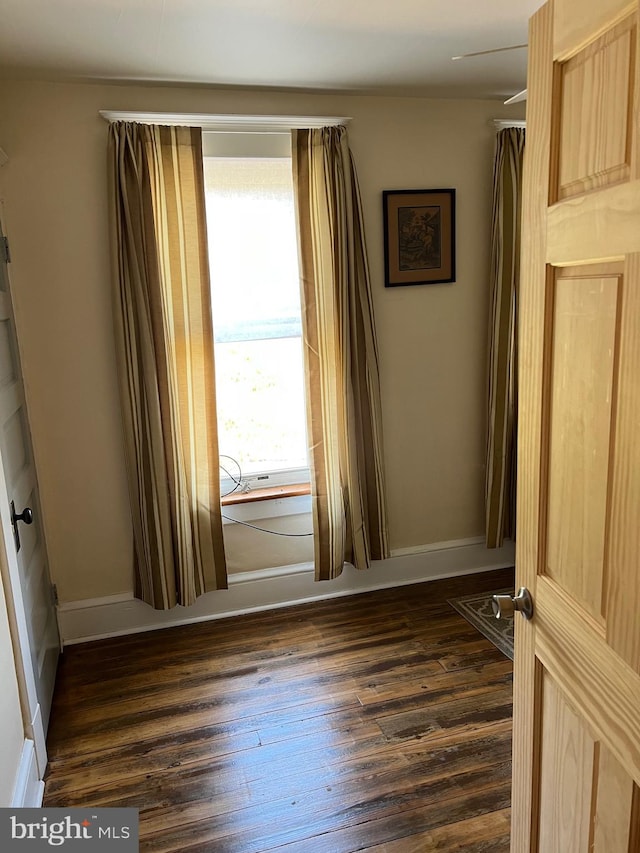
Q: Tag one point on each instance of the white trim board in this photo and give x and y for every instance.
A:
(502, 123)
(279, 587)
(29, 789)
(229, 123)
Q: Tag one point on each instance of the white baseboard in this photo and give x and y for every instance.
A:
(29, 789)
(81, 621)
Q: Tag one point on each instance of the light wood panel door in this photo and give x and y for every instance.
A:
(24, 559)
(576, 769)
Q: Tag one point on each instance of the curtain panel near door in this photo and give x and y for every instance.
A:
(500, 485)
(164, 345)
(341, 357)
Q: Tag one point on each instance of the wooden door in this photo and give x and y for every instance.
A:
(28, 587)
(577, 671)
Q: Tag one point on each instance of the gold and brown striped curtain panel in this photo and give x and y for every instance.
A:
(500, 492)
(164, 343)
(341, 358)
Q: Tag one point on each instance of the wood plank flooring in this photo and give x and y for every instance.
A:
(378, 722)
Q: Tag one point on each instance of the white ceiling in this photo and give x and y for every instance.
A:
(386, 46)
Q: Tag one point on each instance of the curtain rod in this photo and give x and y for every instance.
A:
(227, 123)
(502, 123)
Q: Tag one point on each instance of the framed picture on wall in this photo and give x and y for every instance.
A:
(419, 236)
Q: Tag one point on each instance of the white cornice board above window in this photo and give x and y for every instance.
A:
(227, 123)
(502, 123)
(272, 132)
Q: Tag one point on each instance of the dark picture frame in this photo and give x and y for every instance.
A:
(419, 237)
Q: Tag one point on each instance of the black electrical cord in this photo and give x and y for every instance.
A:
(263, 529)
(238, 484)
(237, 481)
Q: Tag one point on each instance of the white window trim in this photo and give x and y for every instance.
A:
(503, 123)
(229, 123)
(266, 480)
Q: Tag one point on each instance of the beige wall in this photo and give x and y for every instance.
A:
(11, 728)
(432, 340)
(249, 550)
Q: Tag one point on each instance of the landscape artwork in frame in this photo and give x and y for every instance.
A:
(419, 236)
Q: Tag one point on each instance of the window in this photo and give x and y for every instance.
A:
(256, 308)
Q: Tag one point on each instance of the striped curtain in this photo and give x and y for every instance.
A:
(500, 489)
(341, 358)
(164, 344)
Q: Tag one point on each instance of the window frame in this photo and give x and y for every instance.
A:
(253, 145)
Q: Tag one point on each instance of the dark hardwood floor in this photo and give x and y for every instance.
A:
(378, 722)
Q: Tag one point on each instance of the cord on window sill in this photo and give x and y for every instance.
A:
(269, 494)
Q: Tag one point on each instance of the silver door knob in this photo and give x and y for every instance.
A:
(506, 605)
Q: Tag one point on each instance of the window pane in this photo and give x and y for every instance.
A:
(260, 404)
(256, 312)
(253, 254)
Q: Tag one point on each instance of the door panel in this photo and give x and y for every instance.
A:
(585, 308)
(600, 156)
(614, 798)
(577, 667)
(33, 612)
(566, 770)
